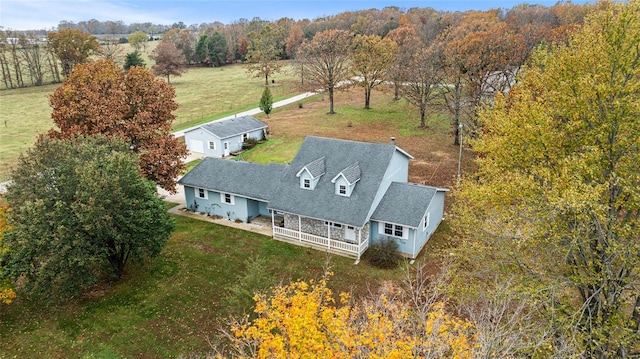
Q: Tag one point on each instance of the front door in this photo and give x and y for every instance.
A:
(350, 234)
(226, 149)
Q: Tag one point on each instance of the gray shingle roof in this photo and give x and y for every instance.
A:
(315, 168)
(234, 126)
(351, 173)
(404, 204)
(322, 202)
(253, 180)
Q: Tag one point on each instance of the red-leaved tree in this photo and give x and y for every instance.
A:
(100, 98)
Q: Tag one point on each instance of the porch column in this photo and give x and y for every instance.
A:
(329, 235)
(359, 242)
(273, 226)
(414, 242)
(299, 228)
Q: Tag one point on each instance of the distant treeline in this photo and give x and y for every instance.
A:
(25, 59)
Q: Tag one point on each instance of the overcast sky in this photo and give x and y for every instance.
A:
(47, 14)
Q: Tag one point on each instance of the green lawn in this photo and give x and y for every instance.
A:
(173, 304)
(204, 94)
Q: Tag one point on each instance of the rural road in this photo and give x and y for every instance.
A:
(254, 111)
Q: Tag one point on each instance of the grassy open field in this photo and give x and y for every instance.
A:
(203, 94)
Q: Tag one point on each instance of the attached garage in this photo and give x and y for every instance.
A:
(196, 145)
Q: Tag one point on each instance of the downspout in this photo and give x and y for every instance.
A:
(413, 256)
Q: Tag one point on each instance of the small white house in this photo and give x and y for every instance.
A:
(221, 138)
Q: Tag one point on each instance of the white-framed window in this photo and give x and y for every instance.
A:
(393, 230)
(306, 183)
(227, 198)
(342, 190)
(212, 145)
(333, 224)
(425, 221)
(201, 193)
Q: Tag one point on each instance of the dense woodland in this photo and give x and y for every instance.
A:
(500, 37)
(544, 254)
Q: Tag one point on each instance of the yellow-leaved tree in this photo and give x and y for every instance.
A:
(7, 294)
(555, 203)
(303, 320)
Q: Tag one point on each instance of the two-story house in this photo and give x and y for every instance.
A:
(336, 195)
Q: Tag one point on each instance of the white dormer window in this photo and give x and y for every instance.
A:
(310, 174)
(346, 180)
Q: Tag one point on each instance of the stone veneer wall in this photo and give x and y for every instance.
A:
(319, 228)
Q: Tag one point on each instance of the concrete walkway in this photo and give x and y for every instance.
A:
(262, 227)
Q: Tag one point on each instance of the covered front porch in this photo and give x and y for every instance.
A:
(340, 239)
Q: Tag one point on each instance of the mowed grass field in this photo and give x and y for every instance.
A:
(203, 94)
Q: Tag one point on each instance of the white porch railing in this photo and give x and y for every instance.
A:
(331, 244)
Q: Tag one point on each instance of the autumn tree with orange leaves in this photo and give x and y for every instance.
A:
(100, 98)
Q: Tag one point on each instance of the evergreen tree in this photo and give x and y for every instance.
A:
(266, 101)
(133, 59)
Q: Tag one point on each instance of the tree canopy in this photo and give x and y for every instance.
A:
(264, 52)
(133, 59)
(303, 320)
(80, 211)
(212, 49)
(373, 59)
(556, 200)
(100, 98)
(7, 294)
(72, 47)
(169, 61)
(138, 40)
(325, 60)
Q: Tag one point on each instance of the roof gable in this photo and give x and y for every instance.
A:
(315, 168)
(233, 126)
(405, 203)
(351, 174)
